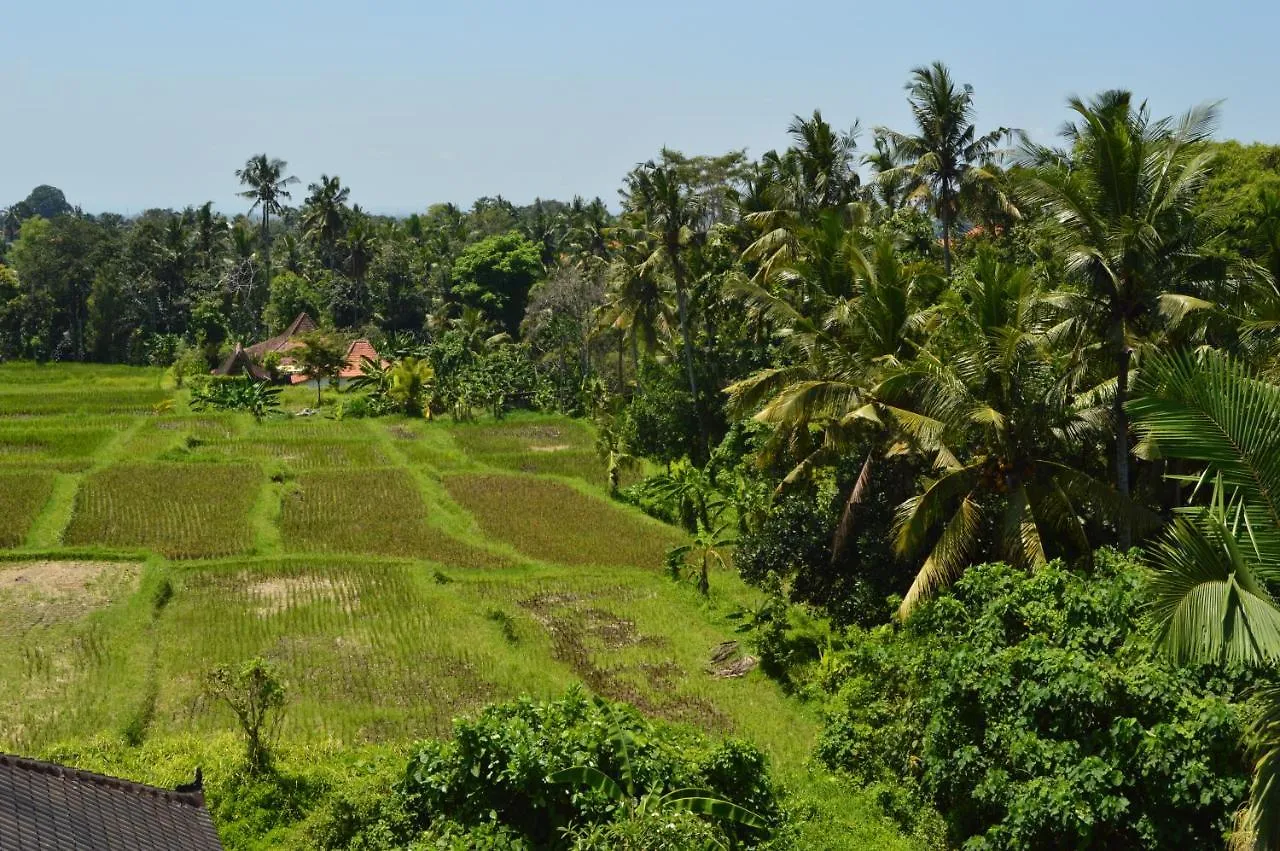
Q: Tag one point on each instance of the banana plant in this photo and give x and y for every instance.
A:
(626, 791)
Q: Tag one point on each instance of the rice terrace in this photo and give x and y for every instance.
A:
(398, 573)
(816, 446)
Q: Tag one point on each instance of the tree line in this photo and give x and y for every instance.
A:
(871, 359)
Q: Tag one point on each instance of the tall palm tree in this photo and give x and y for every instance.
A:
(674, 214)
(267, 187)
(1000, 419)
(1122, 193)
(589, 225)
(210, 234)
(817, 172)
(1218, 566)
(891, 184)
(945, 146)
(849, 314)
(637, 305)
(324, 216)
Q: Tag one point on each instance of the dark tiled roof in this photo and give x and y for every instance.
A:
(47, 806)
(282, 342)
(239, 363)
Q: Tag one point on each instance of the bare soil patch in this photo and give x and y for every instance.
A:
(279, 593)
(43, 593)
(63, 578)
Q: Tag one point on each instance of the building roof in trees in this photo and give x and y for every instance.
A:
(289, 339)
(239, 363)
(356, 353)
(48, 806)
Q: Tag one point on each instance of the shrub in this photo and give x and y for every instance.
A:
(256, 696)
(496, 773)
(1033, 712)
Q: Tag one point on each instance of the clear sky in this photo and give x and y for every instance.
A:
(141, 103)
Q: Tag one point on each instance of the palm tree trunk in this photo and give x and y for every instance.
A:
(946, 228)
(682, 304)
(635, 355)
(1124, 533)
(622, 354)
(266, 247)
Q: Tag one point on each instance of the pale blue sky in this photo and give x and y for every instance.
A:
(143, 103)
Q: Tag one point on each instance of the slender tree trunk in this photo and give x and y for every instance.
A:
(622, 355)
(1125, 534)
(946, 228)
(317, 391)
(682, 304)
(266, 248)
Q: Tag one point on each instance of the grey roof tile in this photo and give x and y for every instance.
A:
(48, 806)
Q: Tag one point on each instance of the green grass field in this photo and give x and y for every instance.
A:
(398, 572)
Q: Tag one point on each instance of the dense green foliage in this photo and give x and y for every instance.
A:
(851, 373)
(497, 771)
(1034, 711)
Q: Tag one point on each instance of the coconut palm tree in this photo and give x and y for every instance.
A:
(1001, 420)
(849, 314)
(267, 187)
(1218, 564)
(1122, 194)
(324, 216)
(891, 184)
(637, 304)
(945, 147)
(210, 235)
(674, 216)
(589, 226)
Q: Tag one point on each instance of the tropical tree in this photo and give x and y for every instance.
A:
(849, 313)
(1218, 563)
(708, 545)
(410, 384)
(267, 187)
(945, 147)
(891, 184)
(999, 417)
(324, 217)
(1122, 194)
(637, 305)
(322, 356)
(674, 216)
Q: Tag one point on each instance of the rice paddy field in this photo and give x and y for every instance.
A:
(399, 573)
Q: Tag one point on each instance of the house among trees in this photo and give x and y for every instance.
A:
(52, 807)
(239, 363)
(352, 364)
(253, 360)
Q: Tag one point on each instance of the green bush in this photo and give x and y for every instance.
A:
(496, 773)
(1033, 712)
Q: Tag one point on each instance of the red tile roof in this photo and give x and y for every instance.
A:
(356, 353)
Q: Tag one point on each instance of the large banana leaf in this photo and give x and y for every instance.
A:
(592, 778)
(704, 803)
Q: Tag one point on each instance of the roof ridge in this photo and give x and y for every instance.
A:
(193, 799)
